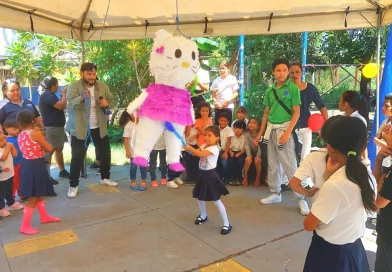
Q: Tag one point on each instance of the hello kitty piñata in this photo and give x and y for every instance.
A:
(174, 61)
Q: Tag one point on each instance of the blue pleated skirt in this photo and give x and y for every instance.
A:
(326, 257)
(34, 178)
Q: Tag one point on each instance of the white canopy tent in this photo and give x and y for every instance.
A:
(127, 19)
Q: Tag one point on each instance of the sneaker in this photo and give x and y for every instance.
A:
(178, 181)
(94, 165)
(154, 183)
(172, 184)
(53, 181)
(72, 192)
(64, 174)
(15, 206)
(271, 199)
(163, 181)
(4, 213)
(303, 207)
(108, 182)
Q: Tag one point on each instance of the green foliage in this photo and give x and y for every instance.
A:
(351, 46)
(22, 61)
(115, 135)
(117, 68)
(253, 100)
(51, 56)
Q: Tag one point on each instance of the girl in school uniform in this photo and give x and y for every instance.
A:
(34, 176)
(339, 213)
(209, 187)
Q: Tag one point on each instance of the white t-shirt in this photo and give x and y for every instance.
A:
(192, 132)
(209, 162)
(226, 88)
(7, 163)
(313, 166)
(387, 161)
(356, 114)
(339, 207)
(237, 144)
(160, 144)
(130, 132)
(93, 110)
(224, 134)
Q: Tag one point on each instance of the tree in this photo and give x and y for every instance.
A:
(35, 56)
(117, 68)
(353, 46)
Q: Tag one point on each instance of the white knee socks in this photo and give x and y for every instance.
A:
(222, 212)
(202, 207)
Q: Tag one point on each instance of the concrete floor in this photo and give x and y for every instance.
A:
(154, 230)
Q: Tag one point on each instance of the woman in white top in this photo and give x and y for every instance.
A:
(339, 213)
(224, 91)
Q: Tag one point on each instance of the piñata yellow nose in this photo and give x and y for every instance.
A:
(185, 64)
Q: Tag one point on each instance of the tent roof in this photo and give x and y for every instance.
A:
(127, 19)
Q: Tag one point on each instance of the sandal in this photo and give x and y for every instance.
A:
(200, 220)
(225, 230)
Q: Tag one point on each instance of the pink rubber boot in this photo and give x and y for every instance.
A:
(26, 227)
(45, 217)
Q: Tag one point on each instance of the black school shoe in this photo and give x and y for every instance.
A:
(53, 181)
(200, 220)
(284, 188)
(226, 230)
(94, 165)
(64, 174)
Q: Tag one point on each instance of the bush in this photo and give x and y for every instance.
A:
(253, 100)
(115, 135)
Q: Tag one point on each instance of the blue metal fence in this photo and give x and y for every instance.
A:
(25, 93)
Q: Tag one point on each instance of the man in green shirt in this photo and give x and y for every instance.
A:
(277, 125)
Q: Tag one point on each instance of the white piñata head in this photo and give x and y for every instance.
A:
(174, 60)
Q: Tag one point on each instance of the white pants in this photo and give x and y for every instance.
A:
(305, 138)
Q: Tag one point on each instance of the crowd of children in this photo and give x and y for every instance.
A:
(344, 190)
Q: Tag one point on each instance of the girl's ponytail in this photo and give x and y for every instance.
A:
(357, 172)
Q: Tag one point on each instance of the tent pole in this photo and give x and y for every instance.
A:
(241, 68)
(379, 18)
(82, 42)
(304, 53)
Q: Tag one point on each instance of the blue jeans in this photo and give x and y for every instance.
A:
(224, 167)
(132, 172)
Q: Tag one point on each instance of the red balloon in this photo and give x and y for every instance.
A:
(316, 122)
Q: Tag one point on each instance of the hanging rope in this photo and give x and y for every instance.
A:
(104, 21)
(87, 100)
(178, 21)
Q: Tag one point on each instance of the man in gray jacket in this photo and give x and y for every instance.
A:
(88, 99)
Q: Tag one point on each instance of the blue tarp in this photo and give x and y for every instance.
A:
(385, 88)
